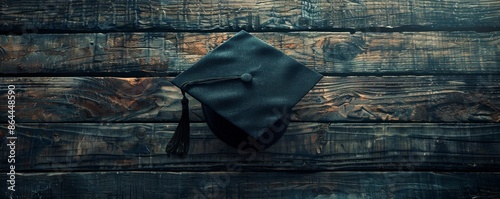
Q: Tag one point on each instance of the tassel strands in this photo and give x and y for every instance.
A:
(179, 144)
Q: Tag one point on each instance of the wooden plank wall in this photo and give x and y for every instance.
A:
(409, 106)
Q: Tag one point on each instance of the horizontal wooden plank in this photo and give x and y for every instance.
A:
(305, 146)
(157, 54)
(467, 98)
(96, 15)
(376, 185)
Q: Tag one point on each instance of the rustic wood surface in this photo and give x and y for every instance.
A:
(53, 147)
(376, 185)
(155, 15)
(160, 54)
(466, 98)
(409, 106)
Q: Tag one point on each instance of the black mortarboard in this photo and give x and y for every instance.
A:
(247, 89)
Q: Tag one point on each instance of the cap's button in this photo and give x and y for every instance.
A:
(246, 77)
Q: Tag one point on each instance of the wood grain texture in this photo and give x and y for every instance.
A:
(159, 54)
(465, 98)
(97, 15)
(376, 185)
(409, 106)
(304, 147)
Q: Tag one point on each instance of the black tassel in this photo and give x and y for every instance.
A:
(179, 144)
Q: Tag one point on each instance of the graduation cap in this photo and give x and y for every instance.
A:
(247, 90)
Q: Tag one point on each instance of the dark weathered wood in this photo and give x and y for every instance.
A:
(370, 129)
(305, 146)
(96, 15)
(465, 98)
(376, 185)
(145, 54)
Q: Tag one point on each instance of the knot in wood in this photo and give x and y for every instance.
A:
(347, 50)
(344, 51)
(303, 22)
(140, 133)
(56, 138)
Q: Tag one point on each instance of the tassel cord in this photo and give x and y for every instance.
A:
(179, 144)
